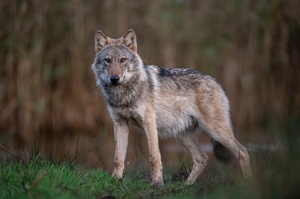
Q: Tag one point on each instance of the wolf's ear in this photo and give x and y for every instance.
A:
(100, 41)
(129, 40)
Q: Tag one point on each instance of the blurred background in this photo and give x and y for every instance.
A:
(49, 99)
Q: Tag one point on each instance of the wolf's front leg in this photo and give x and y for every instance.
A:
(154, 153)
(121, 141)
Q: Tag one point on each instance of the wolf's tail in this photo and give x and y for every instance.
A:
(222, 154)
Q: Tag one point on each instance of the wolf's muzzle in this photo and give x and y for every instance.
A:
(114, 79)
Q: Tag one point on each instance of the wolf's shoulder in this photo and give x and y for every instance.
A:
(169, 72)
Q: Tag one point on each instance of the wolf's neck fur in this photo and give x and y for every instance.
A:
(127, 94)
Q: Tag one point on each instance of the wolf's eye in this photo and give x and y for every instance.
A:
(107, 60)
(122, 60)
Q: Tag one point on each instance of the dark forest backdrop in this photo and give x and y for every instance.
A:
(47, 89)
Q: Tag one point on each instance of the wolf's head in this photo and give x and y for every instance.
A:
(116, 60)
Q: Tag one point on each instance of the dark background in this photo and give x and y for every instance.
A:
(48, 96)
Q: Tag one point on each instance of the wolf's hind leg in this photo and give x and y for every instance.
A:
(226, 138)
(190, 142)
(241, 153)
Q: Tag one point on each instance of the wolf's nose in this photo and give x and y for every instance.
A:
(114, 79)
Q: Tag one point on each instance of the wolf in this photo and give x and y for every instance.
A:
(162, 102)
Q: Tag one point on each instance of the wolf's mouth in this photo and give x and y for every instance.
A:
(115, 84)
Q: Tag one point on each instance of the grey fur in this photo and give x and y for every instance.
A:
(164, 102)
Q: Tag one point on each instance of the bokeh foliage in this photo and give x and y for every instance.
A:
(47, 88)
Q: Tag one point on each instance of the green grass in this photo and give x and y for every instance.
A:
(41, 178)
(275, 175)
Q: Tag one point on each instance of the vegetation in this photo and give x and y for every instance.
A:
(38, 178)
(48, 93)
(275, 175)
(47, 88)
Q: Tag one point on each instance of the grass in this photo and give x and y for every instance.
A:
(38, 177)
(275, 175)
(41, 178)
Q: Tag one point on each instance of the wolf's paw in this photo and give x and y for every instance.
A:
(157, 184)
(118, 177)
(188, 182)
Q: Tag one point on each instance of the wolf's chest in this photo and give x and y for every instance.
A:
(124, 97)
(132, 114)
